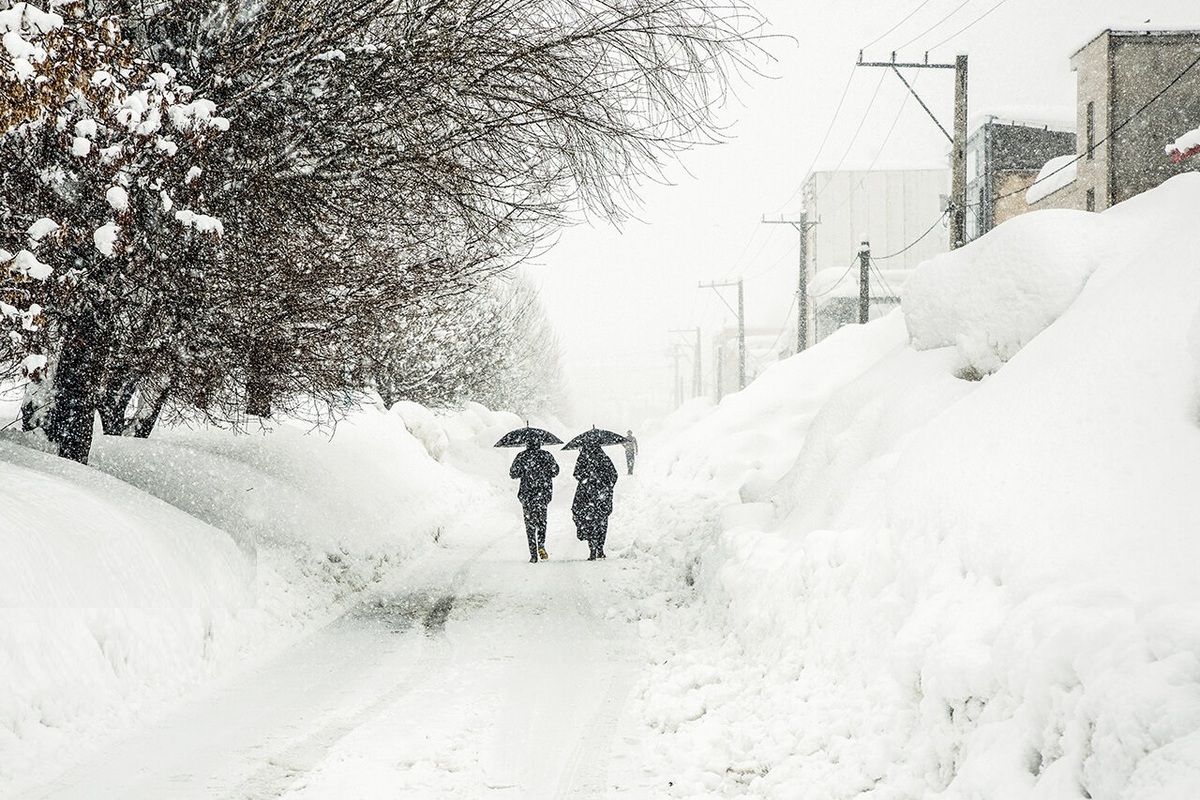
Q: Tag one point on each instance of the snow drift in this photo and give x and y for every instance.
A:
(126, 585)
(958, 588)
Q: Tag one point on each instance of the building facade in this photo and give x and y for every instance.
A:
(900, 213)
(1135, 94)
(1003, 160)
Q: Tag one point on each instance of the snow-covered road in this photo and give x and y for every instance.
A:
(481, 675)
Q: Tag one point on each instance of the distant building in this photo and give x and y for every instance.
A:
(1003, 159)
(899, 212)
(1135, 95)
(838, 293)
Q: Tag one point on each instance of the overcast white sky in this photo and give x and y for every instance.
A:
(615, 295)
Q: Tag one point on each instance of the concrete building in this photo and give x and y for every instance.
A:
(1135, 95)
(1003, 159)
(901, 213)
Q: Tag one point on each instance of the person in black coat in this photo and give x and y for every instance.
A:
(536, 469)
(593, 497)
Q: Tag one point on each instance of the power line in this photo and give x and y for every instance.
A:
(825, 138)
(889, 31)
(836, 284)
(916, 241)
(791, 249)
(857, 131)
(761, 248)
(968, 25)
(1108, 136)
(782, 330)
(936, 25)
(883, 281)
(745, 247)
(887, 137)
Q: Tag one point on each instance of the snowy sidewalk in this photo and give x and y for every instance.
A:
(477, 675)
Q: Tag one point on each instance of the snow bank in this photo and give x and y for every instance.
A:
(959, 588)
(739, 449)
(170, 560)
(994, 295)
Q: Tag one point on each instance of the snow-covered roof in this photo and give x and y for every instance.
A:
(1185, 146)
(1054, 175)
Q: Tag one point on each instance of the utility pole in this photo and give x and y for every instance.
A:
(675, 353)
(864, 283)
(696, 384)
(958, 181)
(958, 142)
(802, 225)
(741, 317)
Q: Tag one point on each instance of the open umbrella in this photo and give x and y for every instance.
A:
(523, 436)
(598, 436)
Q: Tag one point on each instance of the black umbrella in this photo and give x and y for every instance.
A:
(523, 436)
(597, 436)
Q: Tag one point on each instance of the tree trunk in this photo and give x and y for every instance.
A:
(258, 388)
(76, 376)
(152, 400)
(116, 398)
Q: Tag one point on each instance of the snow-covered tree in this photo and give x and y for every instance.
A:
(100, 152)
(380, 158)
(390, 152)
(495, 347)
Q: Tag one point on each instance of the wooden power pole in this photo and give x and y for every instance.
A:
(864, 283)
(741, 317)
(802, 225)
(958, 142)
(697, 387)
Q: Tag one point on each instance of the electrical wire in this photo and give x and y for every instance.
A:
(936, 25)
(745, 247)
(835, 285)
(761, 248)
(968, 25)
(890, 30)
(887, 137)
(824, 139)
(1108, 136)
(784, 329)
(857, 131)
(916, 241)
(792, 249)
(883, 281)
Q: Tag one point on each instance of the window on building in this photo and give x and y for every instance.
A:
(1090, 200)
(1090, 125)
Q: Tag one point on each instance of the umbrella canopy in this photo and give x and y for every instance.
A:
(523, 436)
(598, 436)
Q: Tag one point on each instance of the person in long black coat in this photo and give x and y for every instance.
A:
(536, 469)
(593, 497)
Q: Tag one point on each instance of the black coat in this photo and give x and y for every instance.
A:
(597, 476)
(536, 468)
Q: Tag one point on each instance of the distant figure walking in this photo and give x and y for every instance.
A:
(593, 497)
(536, 468)
(630, 445)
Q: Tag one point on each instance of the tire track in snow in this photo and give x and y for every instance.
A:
(283, 770)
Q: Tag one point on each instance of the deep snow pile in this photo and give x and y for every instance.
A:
(171, 560)
(953, 588)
